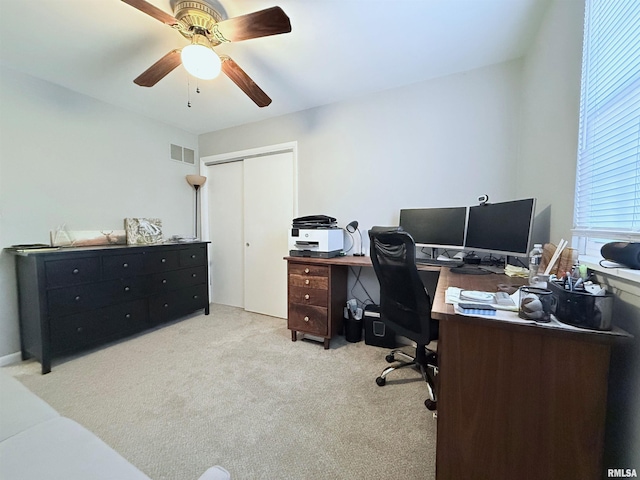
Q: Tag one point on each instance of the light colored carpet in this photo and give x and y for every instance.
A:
(232, 389)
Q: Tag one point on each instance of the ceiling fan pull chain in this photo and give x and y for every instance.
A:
(188, 92)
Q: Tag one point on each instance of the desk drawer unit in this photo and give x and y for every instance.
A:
(76, 298)
(316, 297)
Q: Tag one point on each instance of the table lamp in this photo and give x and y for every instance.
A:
(352, 228)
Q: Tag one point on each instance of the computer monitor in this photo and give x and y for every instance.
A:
(435, 227)
(502, 228)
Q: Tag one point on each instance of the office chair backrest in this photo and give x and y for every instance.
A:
(404, 302)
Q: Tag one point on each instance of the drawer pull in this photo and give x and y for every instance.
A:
(306, 297)
(126, 289)
(128, 315)
(193, 275)
(164, 260)
(75, 271)
(306, 319)
(166, 305)
(164, 280)
(125, 265)
(79, 329)
(195, 297)
(306, 282)
(77, 299)
(306, 270)
(193, 256)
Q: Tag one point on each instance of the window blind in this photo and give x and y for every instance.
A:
(607, 198)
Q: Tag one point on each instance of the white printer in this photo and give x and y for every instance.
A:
(315, 236)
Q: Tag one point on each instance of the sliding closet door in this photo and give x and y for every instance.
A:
(226, 231)
(268, 211)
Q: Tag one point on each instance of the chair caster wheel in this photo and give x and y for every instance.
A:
(390, 358)
(381, 381)
(430, 404)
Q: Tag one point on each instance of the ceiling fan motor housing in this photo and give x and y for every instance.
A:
(196, 17)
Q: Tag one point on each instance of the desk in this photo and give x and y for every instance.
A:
(515, 401)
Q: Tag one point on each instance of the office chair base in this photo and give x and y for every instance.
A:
(425, 363)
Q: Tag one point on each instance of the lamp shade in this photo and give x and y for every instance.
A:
(352, 227)
(200, 60)
(196, 180)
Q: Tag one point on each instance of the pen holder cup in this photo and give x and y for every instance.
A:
(582, 309)
(536, 304)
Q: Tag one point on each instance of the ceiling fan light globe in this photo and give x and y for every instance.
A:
(201, 62)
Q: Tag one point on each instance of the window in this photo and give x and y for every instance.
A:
(607, 198)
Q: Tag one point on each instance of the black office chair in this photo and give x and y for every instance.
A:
(405, 305)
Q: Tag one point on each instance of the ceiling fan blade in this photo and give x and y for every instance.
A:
(152, 11)
(159, 70)
(271, 21)
(242, 80)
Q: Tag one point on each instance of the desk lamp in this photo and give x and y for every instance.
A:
(352, 228)
(196, 181)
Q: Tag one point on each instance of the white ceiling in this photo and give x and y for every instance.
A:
(338, 49)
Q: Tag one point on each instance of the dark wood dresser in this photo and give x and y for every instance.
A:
(77, 298)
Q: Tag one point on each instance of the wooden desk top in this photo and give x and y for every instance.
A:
(351, 261)
(443, 311)
(440, 310)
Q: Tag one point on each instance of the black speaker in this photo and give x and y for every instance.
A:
(626, 253)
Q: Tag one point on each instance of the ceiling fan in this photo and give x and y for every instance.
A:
(203, 25)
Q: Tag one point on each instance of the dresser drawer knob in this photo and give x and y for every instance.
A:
(306, 270)
(165, 305)
(306, 297)
(306, 319)
(126, 289)
(125, 265)
(306, 282)
(193, 275)
(164, 260)
(164, 280)
(193, 256)
(79, 329)
(75, 271)
(128, 315)
(77, 299)
(195, 297)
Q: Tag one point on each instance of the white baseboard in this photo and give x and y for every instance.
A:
(10, 359)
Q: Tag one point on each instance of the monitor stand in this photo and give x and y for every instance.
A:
(470, 270)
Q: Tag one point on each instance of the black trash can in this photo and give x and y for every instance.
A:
(352, 329)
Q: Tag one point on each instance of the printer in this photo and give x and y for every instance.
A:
(315, 236)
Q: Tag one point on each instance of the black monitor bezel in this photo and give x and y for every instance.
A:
(487, 247)
(418, 241)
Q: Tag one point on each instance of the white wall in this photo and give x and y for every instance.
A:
(437, 143)
(550, 114)
(68, 159)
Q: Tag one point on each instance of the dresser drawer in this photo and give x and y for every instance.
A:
(308, 296)
(193, 256)
(74, 332)
(178, 302)
(160, 261)
(309, 269)
(163, 282)
(307, 318)
(72, 271)
(321, 283)
(120, 266)
(78, 298)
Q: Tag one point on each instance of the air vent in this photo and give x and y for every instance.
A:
(183, 154)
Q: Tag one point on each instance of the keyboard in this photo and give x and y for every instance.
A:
(438, 263)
